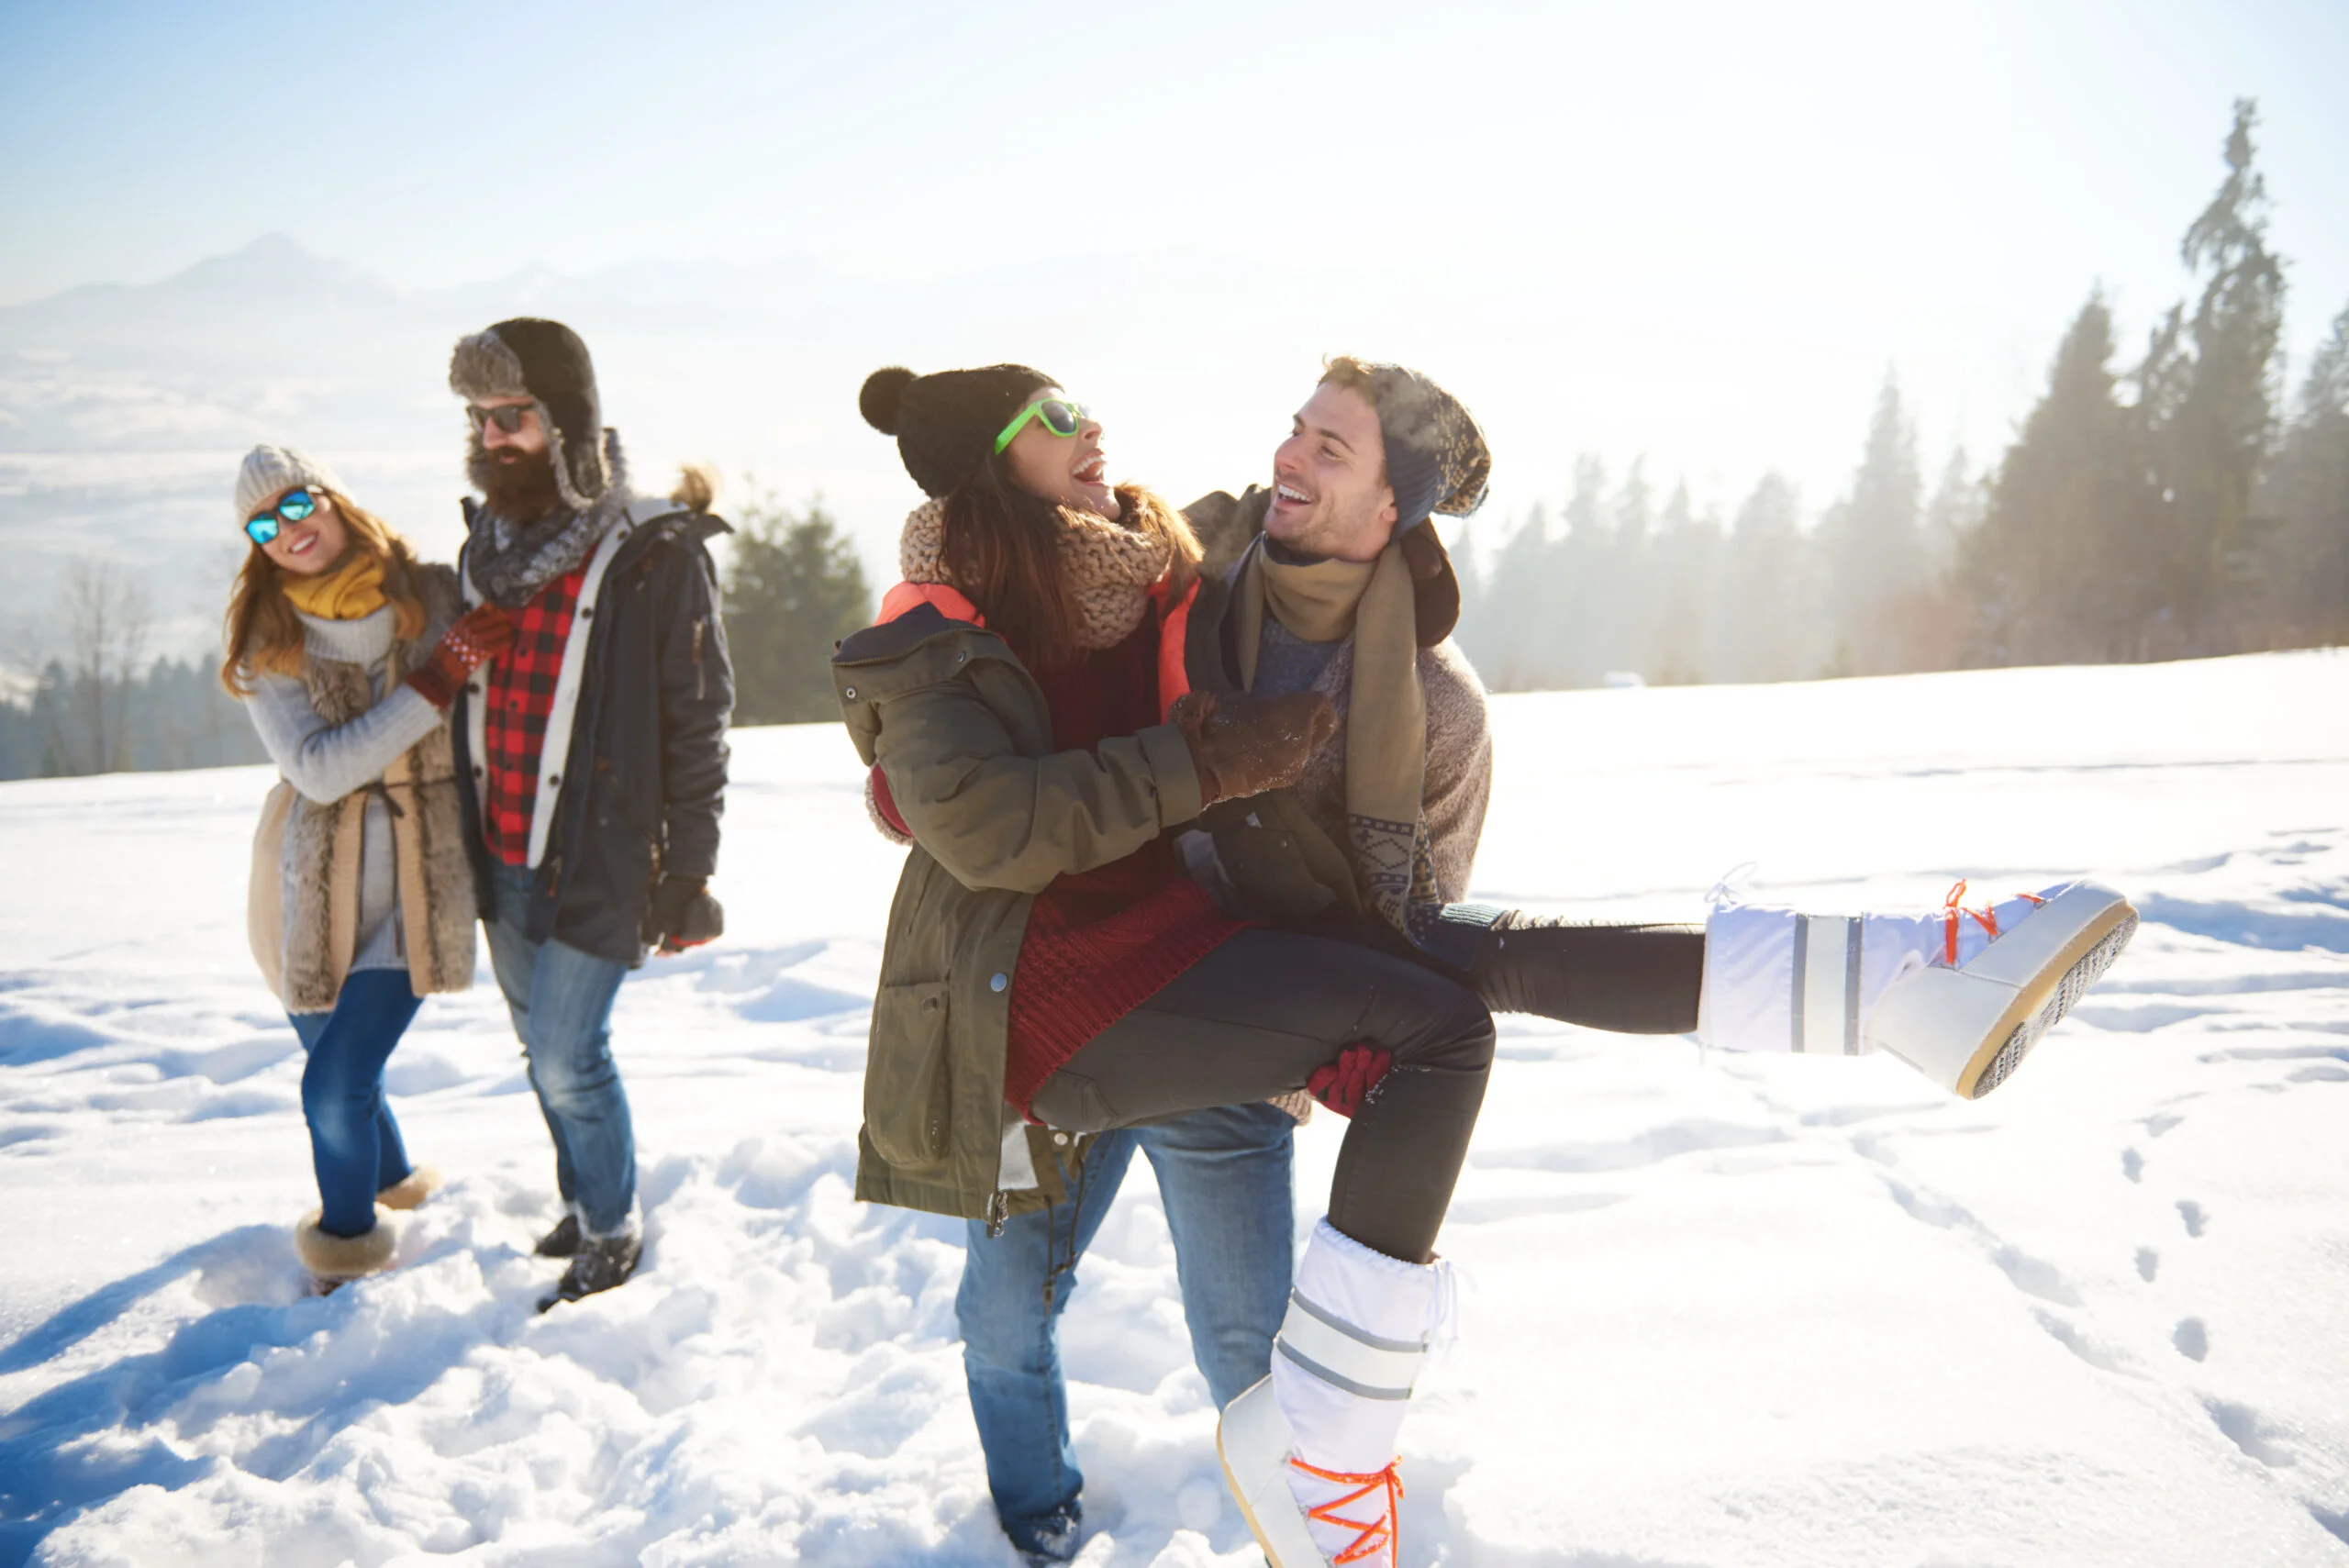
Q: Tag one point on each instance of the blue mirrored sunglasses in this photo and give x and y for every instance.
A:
(293, 507)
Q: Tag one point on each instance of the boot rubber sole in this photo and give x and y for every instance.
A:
(2038, 1008)
(1232, 1483)
(1255, 1423)
(1968, 1029)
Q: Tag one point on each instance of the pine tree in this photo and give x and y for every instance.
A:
(1628, 622)
(1579, 574)
(794, 589)
(1763, 606)
(2209, 448)
(2306, 559)
(2057, 570)
(1508, 641)
(1954, 512)
(1869, 539)
(1688, 557)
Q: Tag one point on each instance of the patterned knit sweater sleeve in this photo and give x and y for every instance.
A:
(1459, 781)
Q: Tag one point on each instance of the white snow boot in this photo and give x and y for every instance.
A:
(1309, 1452)
(1960, 994)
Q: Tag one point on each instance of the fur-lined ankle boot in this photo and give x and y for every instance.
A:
(337, 1260)
(411, 1190)
(1310, 1452)
(1959, 994)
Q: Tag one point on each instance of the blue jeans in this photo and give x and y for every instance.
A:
(1224, 1177)
(354, 1143)
(561, 1002)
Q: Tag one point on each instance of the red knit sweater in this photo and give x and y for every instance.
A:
(1100, 943)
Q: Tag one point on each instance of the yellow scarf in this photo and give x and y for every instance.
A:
(349, 592)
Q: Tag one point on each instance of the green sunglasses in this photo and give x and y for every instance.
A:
(293, 507)
(1060, 415)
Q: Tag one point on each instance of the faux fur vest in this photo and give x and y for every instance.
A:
(306, 856)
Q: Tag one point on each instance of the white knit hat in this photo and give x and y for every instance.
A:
(270, 472)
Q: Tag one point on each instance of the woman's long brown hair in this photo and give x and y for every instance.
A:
(261, 631)
(1002, 548)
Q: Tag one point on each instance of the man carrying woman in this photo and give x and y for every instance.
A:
(1051, 697)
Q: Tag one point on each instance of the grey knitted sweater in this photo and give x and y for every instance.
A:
(326, 763)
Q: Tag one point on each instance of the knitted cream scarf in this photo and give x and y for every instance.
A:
(1110, 568)
(1386, 721)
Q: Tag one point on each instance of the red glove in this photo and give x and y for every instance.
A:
(479, 636)
(1344, 1084)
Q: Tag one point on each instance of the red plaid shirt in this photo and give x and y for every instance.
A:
(520, 694)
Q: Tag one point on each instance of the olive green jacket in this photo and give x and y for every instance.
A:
(961, 732)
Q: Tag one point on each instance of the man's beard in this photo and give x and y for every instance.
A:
(520, 486)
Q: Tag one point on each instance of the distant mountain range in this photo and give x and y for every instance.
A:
(124, 410)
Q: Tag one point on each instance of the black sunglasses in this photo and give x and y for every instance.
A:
(293, 507)
(508, 417)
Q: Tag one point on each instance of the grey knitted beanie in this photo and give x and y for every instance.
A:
(269, 472)
(1437, 459)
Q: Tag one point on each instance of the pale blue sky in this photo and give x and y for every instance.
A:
(1698, 231)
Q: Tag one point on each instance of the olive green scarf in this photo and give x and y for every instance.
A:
(1386, 723)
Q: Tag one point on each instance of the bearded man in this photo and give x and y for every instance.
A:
(596, 750)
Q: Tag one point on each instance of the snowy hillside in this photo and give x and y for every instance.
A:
(1722, 1311)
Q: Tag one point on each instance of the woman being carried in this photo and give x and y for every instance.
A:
(348, 653)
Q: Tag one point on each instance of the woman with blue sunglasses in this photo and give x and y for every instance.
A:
(348, 653)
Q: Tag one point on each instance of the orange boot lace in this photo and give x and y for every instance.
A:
(1986, 917)
(1373, 1535)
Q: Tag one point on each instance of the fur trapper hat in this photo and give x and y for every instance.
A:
(946, 424)
(270, 472)
(1436, 457)
(545, 362)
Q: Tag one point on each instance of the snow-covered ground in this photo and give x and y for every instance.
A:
(1721, 1310)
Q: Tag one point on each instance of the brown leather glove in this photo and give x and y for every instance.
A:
(1245, 745)
(478, 635)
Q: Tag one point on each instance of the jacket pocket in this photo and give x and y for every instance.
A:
(906, 1074)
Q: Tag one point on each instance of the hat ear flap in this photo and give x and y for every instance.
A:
(576, 444)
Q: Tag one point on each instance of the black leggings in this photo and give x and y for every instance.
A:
(1254, 1017)
(1624, 979)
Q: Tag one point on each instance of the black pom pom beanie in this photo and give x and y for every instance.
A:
(946, 424)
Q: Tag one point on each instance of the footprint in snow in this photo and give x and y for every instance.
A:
(2193, 1340)
(2191, 1212)
(2132, 1165)
(2148, 1261)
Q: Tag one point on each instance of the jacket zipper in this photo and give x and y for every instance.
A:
(701, 691)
